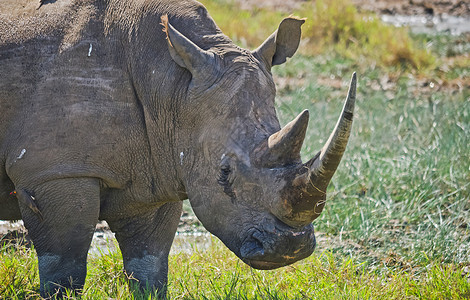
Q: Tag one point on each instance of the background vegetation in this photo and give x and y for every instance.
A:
(332, 25)
(396, 225)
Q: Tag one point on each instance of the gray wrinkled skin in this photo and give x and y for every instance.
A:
(104, 115)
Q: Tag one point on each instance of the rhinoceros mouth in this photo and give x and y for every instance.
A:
(264, 265)
(266, 250)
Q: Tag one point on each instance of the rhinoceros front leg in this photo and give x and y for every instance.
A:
(145, 241)
(60, 216)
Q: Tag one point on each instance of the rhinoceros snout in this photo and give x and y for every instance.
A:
(281, 247)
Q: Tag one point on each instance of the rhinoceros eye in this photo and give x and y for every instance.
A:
(224, 174)
(224, 180)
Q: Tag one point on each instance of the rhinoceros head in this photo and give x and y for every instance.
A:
(244, 175)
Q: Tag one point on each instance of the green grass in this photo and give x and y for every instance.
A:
(18, 272)
(221, 275)
(322, 276)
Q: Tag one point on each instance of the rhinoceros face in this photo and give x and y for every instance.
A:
(246, 182)
(237, 201)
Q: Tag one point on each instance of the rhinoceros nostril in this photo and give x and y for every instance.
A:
(251, 249)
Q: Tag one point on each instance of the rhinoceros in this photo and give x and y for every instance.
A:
(119, 110)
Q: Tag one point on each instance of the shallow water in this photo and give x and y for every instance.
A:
(105, 243)
(430, 24)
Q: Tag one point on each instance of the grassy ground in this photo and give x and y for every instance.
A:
(396, 225)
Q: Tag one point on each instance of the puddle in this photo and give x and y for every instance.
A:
(430, 24)
(190, 242)
(186, 241)
(6, 226)
(105, 243)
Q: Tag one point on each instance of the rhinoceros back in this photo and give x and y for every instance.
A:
(29, 39)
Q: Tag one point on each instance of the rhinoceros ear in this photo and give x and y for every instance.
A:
(282, 43)
(185, 53)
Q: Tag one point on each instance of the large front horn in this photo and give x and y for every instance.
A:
(303, 200)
